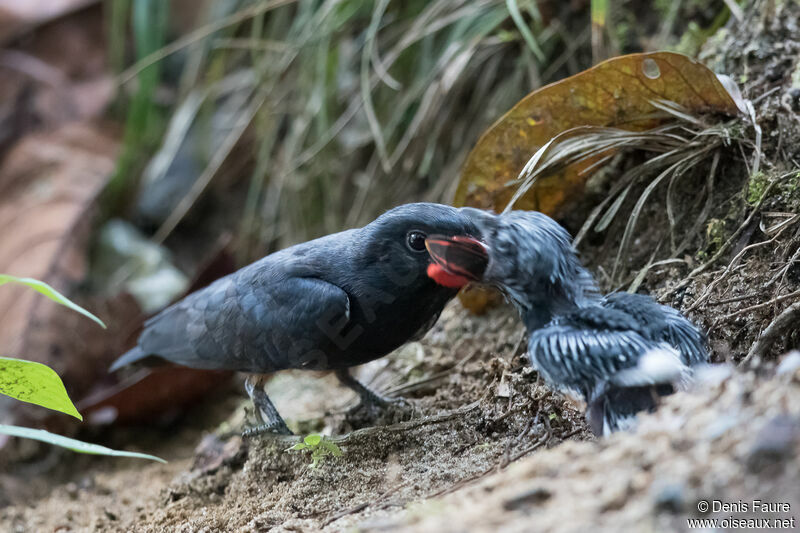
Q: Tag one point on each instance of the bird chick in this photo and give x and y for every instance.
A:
(620, 352)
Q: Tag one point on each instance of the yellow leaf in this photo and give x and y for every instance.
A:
(619, 92)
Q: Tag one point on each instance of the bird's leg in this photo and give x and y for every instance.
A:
(369, 398)
(271, 421)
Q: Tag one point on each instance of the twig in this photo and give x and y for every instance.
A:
(393, 428)
(735, 261)
(571, 433)
(539, 443)
(522, 336)
(454, 487)
(759, 306)
(734, 299)
(360, 507)
(507, 452)
(434, 377)
(479, 475)
(766, 94)
(785, 269)
(542, 440)
(784, 322)
(724, 248)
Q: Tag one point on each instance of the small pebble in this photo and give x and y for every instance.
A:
(774, 444)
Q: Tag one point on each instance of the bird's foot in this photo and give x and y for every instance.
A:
(265, 412)
(375, 404)
(380, 410)
(378, 402)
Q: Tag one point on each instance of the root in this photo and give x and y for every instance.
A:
(393, 428)
(782, 324)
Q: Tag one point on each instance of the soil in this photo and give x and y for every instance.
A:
(472, 409)
(480, 443)
(488, 448)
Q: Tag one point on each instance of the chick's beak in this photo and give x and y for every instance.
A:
(457, 260)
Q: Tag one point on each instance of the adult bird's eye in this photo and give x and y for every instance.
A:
(416, 241)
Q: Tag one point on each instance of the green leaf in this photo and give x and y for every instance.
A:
(331, 447)
(71, 444)
(298, 446)
(43, 288)
(313, 439)
(35, 383)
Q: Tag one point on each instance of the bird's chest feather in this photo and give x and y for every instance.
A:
(389, 320)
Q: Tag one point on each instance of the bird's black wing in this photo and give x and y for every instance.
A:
(580, 358)
(663, 323)
(238, 323)
(684, 336)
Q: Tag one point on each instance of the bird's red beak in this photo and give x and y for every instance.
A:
(457, 260)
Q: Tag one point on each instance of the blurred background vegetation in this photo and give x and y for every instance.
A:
(178, 140)
(280, 121)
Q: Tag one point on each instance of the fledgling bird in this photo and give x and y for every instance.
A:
(620, 352)
(327, 304)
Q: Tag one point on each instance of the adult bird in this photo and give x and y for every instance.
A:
(327, 304)
(620, 352)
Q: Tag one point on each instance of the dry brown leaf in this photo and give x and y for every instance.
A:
(148, 393)
(478, 298)
(48, 185)
(19, 16)
(617, 92)
(151, 394)
(57, 74)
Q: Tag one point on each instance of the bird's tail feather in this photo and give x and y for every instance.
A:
(656, 366)
(614, 403)
(131, 356)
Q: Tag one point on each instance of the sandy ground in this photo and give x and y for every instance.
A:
(488, 448)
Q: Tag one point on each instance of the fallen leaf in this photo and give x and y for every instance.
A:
(618, 92)
(58, 73)
(149, 393)
(48, 185)
(479, 298)
(17, 17)
(214, 452)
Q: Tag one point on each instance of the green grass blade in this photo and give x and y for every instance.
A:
(43, 288)
(599, 12)
(71, 444)
(516, 16)
(35, 383)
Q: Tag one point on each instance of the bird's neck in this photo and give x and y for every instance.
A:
(536, 317)
(559, 298)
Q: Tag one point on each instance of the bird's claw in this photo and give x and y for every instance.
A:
(377, 406)
(263, 429)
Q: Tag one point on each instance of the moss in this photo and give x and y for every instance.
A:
(715, 234)
(756, 186)
(790, 191)
(691, 40)
(701, 256)
(791, 186)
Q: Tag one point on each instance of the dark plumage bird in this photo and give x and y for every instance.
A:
(620, 352)
(327, 304)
